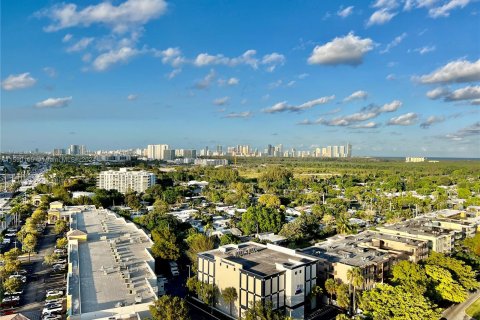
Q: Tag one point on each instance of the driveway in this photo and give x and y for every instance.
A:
(457, 312)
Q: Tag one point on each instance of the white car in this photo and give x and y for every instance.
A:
(59, 251)
(61, 261)
(6, 240)
(52, 317)
(18, 276)
(10, 234)
(54, 293)
(53, 309)
(11, 299)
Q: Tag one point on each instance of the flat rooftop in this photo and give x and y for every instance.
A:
(418, 226)
(349, 250)
(259, 259)
(114, 267)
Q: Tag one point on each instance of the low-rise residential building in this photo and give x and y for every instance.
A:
(439, 239)
(125, 180)
(260, 273)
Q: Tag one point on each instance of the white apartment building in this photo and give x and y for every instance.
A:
(125, 180)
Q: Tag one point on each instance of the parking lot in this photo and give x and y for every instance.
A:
(39, 280)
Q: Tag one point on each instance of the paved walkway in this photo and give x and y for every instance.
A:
(457, 312)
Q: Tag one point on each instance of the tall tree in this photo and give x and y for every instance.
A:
(343, 296)
(397, 303)
(197, 243)
(230, 295)
(169, 308)
(355, 278)
(331, 287)
(29, 244)
(165, 244)
(262, 311)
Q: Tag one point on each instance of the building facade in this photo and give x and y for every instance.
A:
(259, 272)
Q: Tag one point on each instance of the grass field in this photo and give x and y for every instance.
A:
(474, 310)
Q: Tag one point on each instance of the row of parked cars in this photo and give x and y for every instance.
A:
(12, 299)
(54, 305)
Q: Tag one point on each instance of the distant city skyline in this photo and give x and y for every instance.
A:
(393, 78)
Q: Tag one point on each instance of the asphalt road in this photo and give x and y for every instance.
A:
(457, 312)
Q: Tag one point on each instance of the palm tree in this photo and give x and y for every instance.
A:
(355, 279)
(331, 288)
(230, 295)
(314, 293)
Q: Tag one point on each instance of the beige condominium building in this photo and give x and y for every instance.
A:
(374, 253)
(260, 273)
(441, 235)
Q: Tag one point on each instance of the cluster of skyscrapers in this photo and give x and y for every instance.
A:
(73, 149)
(166, 153)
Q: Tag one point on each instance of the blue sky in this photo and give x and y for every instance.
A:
(392, 77)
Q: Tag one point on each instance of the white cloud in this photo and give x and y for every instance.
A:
(410, 4)
(275, 84)
(303, 76)
(395, 42)
(174, 73)
(368, 125)
(473, 130)
(229, 82)
(233, 115)
(272, 60)
(345, 12)
(437, 93)
(467, 93)
(233, 81)
(206, 81)
(51, 72)
(105, 60)
(431, 120)
(132, 97)
(67, 37)
(387, 4)
(425, 50)
(291, 84)
(391, 107)
(80, 45)
(391, 76)
(54, 103)
(221, 101)
(121, 18)
(455, 71)
(357, 95)
(381, 16)
(349, 50)
(444, 10)
(406, 119)
(350, 120)
(171, 56)
(284, 106)
(87, 57)
(18, 81)
(205, 59)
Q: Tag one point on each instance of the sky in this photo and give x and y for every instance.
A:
(391, 77)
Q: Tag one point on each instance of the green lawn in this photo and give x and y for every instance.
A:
(474, 309)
